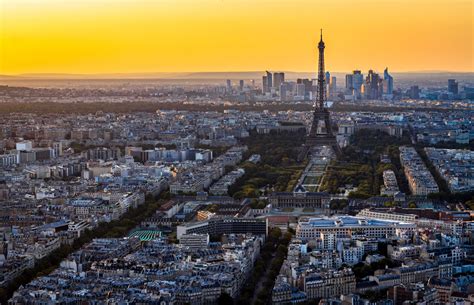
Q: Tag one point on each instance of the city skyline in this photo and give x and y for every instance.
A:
(134, 171)
(105, 37)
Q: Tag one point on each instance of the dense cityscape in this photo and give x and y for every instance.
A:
(234, 205)
(349, 186)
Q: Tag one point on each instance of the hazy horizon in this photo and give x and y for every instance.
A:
(203, 74)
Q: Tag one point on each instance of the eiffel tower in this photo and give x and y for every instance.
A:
(321, 133)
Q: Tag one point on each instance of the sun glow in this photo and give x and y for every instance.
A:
(107, 36)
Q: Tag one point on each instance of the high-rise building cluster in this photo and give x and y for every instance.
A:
(275, 84)
(357, 87)
(372, 87)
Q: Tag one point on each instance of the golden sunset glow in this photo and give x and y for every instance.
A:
(121, 36)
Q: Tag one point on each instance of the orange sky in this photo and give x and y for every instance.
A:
(120, 36)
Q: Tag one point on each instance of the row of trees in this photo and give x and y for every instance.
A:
(442, 184)
(278, 169)
(258, 288)
(338, 204)
(258, 203)
(151, 106)
(135, 106)
(360, 165)
(113, 229)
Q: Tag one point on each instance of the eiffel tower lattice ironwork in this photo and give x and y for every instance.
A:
(321, 131)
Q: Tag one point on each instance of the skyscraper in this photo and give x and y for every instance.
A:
(300, 90)
(327, 82)
(330, 84)
(229, 86)
(327, 77)
(308, 87)
(264, 84)
(278, 79)
(241, 85)
(373, 85)
(414, 92)
(453, 86)
(389, 82)
(269, 81)
(349, 86)
(284, 91)
(357, 81)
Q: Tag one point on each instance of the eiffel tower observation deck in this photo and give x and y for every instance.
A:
(321, 133)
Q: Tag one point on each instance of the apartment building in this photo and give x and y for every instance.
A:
(420, 180)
